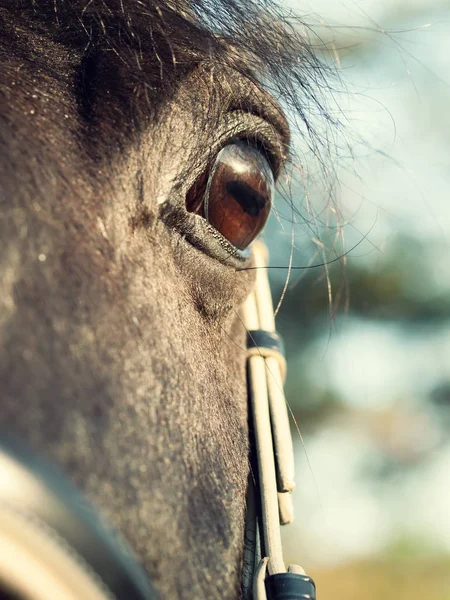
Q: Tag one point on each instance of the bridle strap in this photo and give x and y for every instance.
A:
(273, 441)
(53, 543)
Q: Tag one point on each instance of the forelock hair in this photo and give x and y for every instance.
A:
(258, 38)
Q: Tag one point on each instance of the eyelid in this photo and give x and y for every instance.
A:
(264, 149)
(245, 94)
(259, 133)
(232, 126)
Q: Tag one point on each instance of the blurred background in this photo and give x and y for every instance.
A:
(368, 336)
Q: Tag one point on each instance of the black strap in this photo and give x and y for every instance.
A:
(62, 509)
(259, 338)
(290, 586)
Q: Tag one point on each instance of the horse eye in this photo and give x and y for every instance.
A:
(235, 194)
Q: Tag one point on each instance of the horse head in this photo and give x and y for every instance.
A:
(139, 148)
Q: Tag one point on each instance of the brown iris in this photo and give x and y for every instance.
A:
(235, 195)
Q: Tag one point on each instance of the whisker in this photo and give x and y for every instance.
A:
(317, 265)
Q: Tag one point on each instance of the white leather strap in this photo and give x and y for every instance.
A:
(273, 440)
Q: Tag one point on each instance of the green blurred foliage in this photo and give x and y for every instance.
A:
(398, 287)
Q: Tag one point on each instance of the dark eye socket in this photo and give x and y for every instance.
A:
(235, 194)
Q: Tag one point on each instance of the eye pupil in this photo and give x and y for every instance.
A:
(251, 201)
(235, 195)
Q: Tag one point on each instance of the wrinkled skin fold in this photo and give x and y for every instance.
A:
(121, 350)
